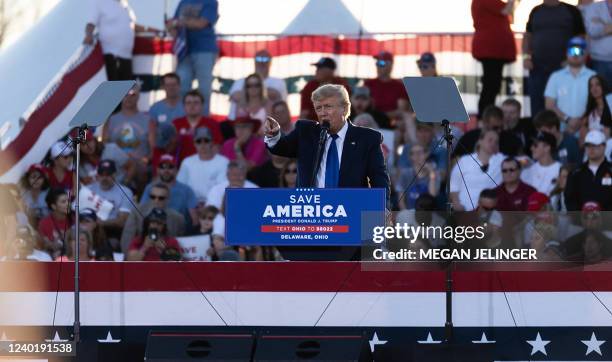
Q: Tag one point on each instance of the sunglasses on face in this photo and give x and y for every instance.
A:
(424, 66)
(575, 52)
(166, 166)
(508, 170)
(381, 63)
(158, 198)
(202, 140)
(590, 145)
(261, 59)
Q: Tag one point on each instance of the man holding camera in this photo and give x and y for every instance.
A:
(158, 199)
(154, 244)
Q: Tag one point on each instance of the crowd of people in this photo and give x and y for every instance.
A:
(164, 171)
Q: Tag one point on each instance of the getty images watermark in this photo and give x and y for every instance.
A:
(412, 243)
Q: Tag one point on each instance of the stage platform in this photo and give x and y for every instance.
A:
(121, 302)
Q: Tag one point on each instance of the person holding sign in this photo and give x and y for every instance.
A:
(352, 156)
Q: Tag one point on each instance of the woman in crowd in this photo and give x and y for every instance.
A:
(246, 146)
(206, 216)
(35, 185)
(86, 252)
(493, 45)
(476, 171)
(54, 227)
(557, 197)
(288, 174)
(60, 173)
(88, 221)
(91, 155)
(255, 103)
(597, 114)
(413, 185)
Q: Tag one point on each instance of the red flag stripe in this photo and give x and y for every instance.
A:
(287, 45)
(52, 107)
(287, 277)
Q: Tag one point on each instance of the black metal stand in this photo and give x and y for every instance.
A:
(448, 326)
(450, 350)
(80, 138)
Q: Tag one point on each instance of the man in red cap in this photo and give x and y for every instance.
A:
(246, 147)
(326, 67)
(182, 198)
(388, 94)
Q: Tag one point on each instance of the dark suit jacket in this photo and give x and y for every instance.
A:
(362, 163)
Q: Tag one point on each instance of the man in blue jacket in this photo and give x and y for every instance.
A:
(352, 156)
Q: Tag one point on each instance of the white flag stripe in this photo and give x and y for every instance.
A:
(154, 64)
(299, 64)
(360, 66)
(580, 309)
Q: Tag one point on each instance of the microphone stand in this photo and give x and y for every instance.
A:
(319, 153)
(448, 326)
(80, 138)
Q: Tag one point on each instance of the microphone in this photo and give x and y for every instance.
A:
(325, 125)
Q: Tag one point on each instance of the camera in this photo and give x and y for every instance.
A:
(153, 235)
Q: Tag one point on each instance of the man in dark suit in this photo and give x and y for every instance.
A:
(352, 156)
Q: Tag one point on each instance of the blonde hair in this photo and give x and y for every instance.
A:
(72, 237)
(264, 93)
(333, 90)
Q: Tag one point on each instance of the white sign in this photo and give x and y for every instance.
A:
(194, 247)
(88, 199)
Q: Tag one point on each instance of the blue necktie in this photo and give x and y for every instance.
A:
(332, 165)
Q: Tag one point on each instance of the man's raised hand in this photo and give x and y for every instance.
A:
(271, 127)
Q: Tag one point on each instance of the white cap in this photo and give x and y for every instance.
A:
(60, 148)
(595, 137)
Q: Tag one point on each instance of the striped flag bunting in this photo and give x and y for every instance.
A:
(293, 56)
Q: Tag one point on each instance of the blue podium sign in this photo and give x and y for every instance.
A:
(300, 216)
